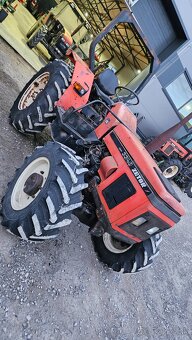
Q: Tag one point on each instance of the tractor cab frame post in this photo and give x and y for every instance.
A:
(124, 16)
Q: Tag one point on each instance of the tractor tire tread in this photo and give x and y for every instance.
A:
(172, 162)
(37, 37)
(139, 257)
(40, 112)
(45, 216)
(188, 190)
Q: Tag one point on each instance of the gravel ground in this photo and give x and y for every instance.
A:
(58, 290)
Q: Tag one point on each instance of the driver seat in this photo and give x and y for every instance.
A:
(107, 82)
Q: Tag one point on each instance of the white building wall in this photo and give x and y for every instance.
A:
(154, 105)
(185, 55)
(184, 8)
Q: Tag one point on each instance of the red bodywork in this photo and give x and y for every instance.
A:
(172, 146)
(83, 75)
(114, 166)
(138, 203)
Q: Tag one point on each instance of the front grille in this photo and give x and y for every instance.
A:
(118, 191)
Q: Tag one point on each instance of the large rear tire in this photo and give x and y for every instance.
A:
(171, 168)
(34, 107)
(44, 192)
(125, 257)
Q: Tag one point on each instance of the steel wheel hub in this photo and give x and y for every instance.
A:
(33, 184)
(171, 171)
(30, 183)
(115, 246)
(33, 90)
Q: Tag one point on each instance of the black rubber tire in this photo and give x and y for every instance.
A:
(37, 37)
(169, 163)
(188, 190)
(138, 257)
(52, 207)
(36, 116)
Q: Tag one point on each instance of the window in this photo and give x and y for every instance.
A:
(180, 92)
(186, 140)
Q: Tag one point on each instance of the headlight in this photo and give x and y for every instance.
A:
(152, 230)
(139, 221)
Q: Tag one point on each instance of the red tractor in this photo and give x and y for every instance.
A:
(175, 159)
(95, 167)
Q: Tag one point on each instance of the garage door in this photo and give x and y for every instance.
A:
(155, 23)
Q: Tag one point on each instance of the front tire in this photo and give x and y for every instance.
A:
(188, 190)
(37, 211)
(125, 257)
(171, 168)
(34, 107)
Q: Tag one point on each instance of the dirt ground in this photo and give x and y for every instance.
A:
(58, 290)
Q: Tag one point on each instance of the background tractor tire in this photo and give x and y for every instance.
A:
(37, 37)
(188, 190)
(123, 257)
(34, 107)
(171, 168)
(40, 215)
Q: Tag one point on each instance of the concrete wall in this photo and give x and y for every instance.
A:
(185, 56)
(155, 107)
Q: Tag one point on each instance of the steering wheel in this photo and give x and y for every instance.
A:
(127, 99)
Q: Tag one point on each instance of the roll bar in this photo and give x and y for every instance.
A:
(124, 16)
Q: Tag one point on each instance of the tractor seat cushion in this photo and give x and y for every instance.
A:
(107, 82)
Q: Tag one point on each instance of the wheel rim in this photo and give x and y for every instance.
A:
(36, 87)
(171, 171)
(19, 199)
(115, 246)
